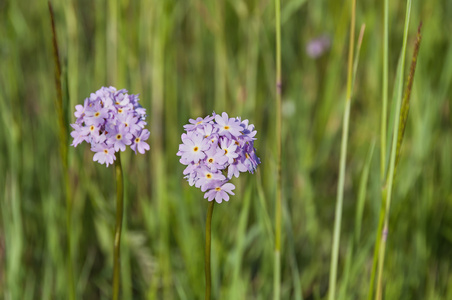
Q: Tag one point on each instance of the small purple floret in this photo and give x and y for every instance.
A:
(220, 192)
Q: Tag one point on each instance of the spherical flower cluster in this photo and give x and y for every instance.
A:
(110, 120)
(215, 149)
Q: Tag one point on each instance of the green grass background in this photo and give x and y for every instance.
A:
(187, 59)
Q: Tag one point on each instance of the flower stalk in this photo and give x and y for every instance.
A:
(118, 227)
(208, 249)
(215, 149)
(109, 120)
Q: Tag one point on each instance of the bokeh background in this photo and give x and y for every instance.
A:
(187, 59)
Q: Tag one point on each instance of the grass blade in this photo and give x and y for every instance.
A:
(384, 111)
(390, 179)
(344, 141)
(278, 199)
(63, 130)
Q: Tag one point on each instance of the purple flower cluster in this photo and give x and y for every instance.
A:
(215, 149)
(110, 120)
(317, 47)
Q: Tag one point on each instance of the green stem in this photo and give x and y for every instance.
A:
(118, 227)
(70, 268)
(340, 187)
(381, 258)
(392, 164)
(278, 204)
(64, 157)
(383, 134)
(208, 248)
(339, 202)
(377, 244)
(384, 111)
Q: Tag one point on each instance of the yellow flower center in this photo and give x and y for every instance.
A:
(120, 111)
(97, 114)
(217, 189)
(106, 151)
(210, 160)
(199, 123)
(209, 175)
(91, 128)
(226, 127)
(237, 143)
(247, 156)
(137, 140)
(118, 136)
(225, 151)
(196, 149)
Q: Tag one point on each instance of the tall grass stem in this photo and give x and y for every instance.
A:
(383, 213)
(118, 227)
(384, 109)
(392, 166)
(278, 204)
(64, 157)
(383, 135)
(344, 141)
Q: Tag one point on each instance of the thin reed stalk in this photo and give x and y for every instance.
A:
(278, 204)
(400, 118)
(362, 196)
(383, 136)
(208, 249)
(118, 226)
(64, 158)
(157, 50)
(340, 187)
(384, 109)
(352, 244)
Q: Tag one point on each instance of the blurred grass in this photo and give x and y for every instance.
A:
(188, 58)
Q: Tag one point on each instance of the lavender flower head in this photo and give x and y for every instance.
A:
(317, 47)
(110, 120)
(215, 149)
